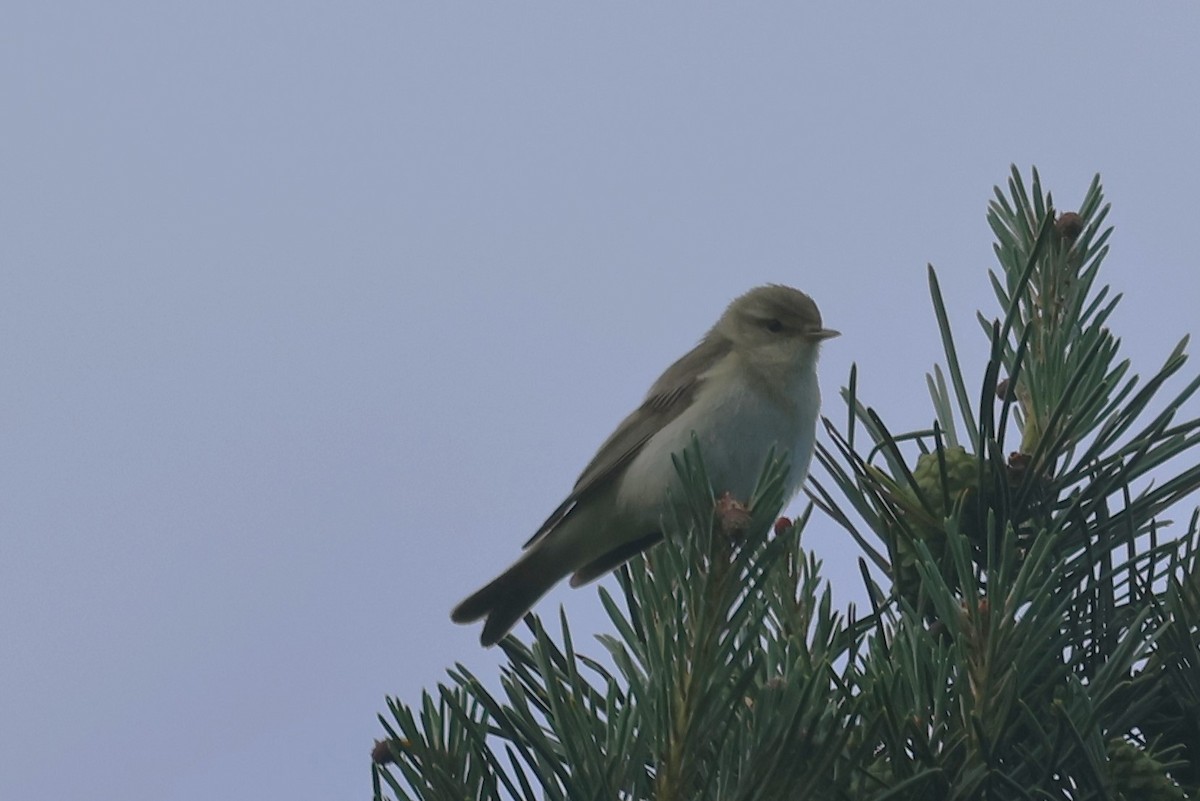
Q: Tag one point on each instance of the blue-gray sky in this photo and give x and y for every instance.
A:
(310, 312)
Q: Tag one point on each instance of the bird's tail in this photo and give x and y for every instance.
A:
(507, 598)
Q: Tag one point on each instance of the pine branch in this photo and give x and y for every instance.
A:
(1035, 635)
(1030, 589)
(720, 674)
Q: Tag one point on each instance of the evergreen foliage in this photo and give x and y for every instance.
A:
(1034, 630)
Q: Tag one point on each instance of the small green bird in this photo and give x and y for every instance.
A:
(749, 386)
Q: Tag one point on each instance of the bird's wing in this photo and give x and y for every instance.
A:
(670, 395)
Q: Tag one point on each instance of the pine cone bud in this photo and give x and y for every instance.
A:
(927, 507)
(1137, 775)
(962, 476)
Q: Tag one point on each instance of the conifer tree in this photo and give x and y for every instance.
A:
(1034, 621)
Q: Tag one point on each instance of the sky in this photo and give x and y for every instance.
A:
(310, 312)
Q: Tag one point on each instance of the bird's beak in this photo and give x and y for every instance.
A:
(822, 334)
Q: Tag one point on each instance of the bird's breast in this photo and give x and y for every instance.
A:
(736, 426)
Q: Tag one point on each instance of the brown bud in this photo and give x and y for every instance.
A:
(1005, 390)
(733, 517)
(782, 525)
(381, 754)
(1069, 225)
(1018, 465)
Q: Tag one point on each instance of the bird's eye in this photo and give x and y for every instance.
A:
(774, 326)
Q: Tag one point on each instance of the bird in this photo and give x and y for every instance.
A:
(749, 386)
